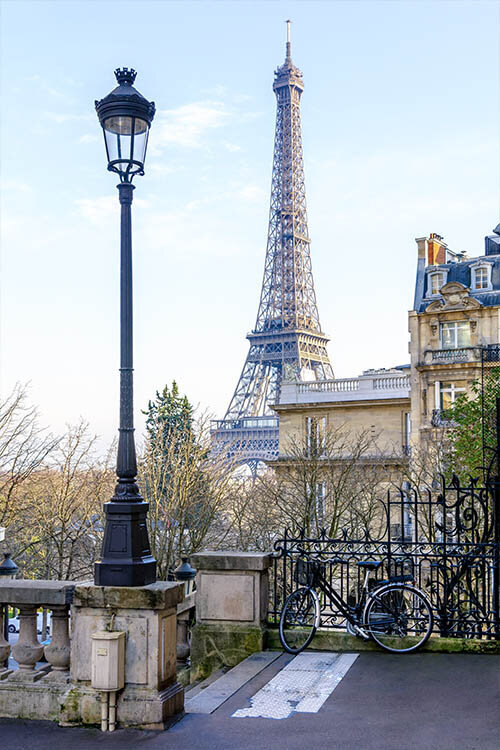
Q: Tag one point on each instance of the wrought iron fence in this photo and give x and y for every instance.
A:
(448, 538)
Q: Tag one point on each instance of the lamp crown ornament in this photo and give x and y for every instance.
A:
(126, 75)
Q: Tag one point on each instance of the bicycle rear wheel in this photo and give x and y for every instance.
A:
(299, 620)
(399, 618)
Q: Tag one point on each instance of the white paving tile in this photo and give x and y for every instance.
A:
(302, 686)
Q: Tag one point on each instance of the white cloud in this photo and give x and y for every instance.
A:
(158, 169)
(61, 117)
(252, 193)
(88, 138)
(218, 90)
(18, 186)
(101, 211)
(232, 146)
(186, 125)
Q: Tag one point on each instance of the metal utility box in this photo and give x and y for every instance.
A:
(108, 660)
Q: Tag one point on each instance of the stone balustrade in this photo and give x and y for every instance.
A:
(369, 386)
(28, 597)
(59, 688)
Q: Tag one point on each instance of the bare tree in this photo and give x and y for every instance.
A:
(254, 519)
(332, 481)
(24, 446)
(61, 526)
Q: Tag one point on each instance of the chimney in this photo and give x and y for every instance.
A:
(421, 245)
(436, 250)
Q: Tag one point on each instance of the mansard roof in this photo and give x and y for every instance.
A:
(461, 272)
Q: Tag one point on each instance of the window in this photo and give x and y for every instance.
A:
(315, 435)
(448, 394)
(481, 277)
(320, 503)
(406, 432)
(437, 280)
(315, 498)
(455, 335)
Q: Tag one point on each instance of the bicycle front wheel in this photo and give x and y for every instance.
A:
(299, 620)
(399, 618)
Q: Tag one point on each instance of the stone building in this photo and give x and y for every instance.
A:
(375, 403)
(456, 313)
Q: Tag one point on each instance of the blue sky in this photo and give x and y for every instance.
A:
(400, 118)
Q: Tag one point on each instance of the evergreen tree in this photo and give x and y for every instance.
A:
(169, 417)
(178, 478)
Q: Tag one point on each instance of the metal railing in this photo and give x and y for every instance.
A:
(448, 539)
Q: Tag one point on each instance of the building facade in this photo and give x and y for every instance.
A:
(455, 316)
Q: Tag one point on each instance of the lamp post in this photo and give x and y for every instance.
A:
(125, 117)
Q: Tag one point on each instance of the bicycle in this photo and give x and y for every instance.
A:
(394, 613)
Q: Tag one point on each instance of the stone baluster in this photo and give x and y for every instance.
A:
(58, 651)
(27, 651)
(4, 646)
(183, 645)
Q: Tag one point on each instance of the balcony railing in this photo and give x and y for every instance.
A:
(329, 386)
(451, 356)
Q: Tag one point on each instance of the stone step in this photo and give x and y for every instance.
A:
(207, 700)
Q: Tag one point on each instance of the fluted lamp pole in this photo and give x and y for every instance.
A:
(126, 559)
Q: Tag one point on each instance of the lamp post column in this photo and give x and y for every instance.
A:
(126, 463)
(126, 554)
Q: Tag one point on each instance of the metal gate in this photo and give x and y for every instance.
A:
(449, 539)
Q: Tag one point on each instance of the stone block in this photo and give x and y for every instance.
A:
(159, 595)
(227, 597)
(222, 645)
(38, 593)
(231, 561)
(137, 647)
(35, 700)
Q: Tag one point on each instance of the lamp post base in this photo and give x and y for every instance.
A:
(126, 555)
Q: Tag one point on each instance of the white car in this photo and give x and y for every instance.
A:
(14, 623)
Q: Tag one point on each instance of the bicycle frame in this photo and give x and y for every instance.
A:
(350, 613)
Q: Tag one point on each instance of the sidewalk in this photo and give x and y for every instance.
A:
(384, 702)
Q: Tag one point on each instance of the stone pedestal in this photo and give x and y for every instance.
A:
(151, 698)
(231, 609)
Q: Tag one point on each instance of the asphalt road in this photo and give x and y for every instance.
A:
(385, 702)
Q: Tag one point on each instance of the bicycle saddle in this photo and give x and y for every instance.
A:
(370, 564)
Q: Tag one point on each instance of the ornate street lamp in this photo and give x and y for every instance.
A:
(125, 117)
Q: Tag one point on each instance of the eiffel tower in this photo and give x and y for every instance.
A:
(287, 342)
